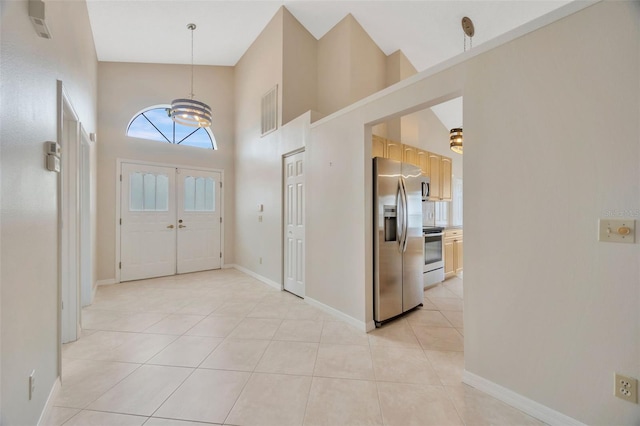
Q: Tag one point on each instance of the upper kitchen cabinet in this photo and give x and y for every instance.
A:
(435, 189)
(437, 167)
(440, 169)
(386, 148)
(394, 150)
(378, 146)
(446, 173)
(410, 155)
(423, 161)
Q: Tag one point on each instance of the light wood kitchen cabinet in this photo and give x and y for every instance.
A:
(394, 150)
(434, 177)
(378, 146)
(458, 250)
(453, 252)
(437, 167)
(410, 155)
(445, 182)
(423, 161)
(449, 268)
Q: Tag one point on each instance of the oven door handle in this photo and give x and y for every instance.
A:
(439, 234)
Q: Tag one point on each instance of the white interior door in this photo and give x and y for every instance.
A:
(199, 220)
(294, 224)
(148, 227)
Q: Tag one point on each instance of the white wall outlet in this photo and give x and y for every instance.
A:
(626, 388)
(260, 218)
(32, 384)
(617, 231)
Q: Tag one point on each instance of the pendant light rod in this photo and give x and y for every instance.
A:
(191, 27)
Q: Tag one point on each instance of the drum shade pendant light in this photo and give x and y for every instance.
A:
(455, 140)
(190, 112)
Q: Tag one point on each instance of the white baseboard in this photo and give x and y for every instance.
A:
(105, 282)
(522, 403)
(48, 406)
(94, 290)
(258, 277)
(336, 313)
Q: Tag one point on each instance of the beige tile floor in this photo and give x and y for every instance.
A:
(220, 347)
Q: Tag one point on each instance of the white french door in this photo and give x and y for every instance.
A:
(170, 221)
(148, 222)
(294, 224)
(199, 220)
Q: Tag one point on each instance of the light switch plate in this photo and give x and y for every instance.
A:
(617, 230)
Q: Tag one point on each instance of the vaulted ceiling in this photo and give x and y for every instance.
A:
(428, 31)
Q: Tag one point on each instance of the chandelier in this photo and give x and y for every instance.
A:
(190, 112)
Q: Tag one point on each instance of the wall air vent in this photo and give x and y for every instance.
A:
(270, 111)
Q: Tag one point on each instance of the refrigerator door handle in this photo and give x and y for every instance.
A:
(400, 226)
(405, 216)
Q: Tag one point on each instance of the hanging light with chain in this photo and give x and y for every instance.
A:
(455, 135)
(190, 112)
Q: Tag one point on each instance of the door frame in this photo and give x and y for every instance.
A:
(68, 211)
(87, 285)
(118, 183)
(283, 220)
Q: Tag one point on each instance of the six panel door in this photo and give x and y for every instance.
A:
(294, 224)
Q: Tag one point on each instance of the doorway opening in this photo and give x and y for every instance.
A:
(69, 214)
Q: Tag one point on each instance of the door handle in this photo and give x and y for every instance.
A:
(182, 226)
(170, 226)
(405, 215)
(399, 216)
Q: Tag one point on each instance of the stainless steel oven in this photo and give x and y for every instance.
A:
(433, 271)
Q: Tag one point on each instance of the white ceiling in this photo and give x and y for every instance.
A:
(427, 31)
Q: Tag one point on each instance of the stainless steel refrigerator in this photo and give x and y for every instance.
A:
(398, 242)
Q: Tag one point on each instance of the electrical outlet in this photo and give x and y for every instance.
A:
(626, 388)
(32, 384)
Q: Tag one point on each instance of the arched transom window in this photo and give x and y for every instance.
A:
(155, 123)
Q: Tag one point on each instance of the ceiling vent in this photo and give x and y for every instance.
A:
(270, 111)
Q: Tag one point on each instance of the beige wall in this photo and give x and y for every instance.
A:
(552, 125)
(350, 66)
(124, 90)
(398, 67)
(299, 69)
(257, 159)
(548, 308)
(30, 67)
